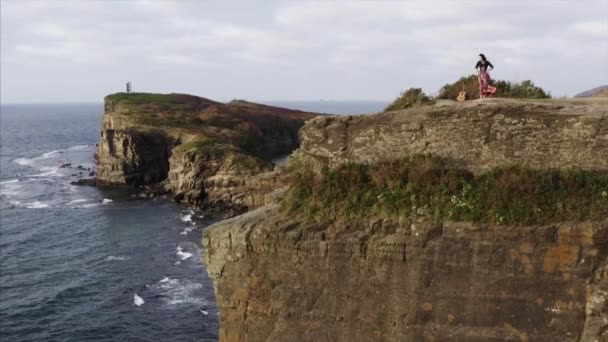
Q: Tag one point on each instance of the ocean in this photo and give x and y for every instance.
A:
(84, 264)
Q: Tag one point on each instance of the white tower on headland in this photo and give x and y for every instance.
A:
(128, 87)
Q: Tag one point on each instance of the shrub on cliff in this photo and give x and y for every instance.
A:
(424, 187)
(410, 98)
(524, 90)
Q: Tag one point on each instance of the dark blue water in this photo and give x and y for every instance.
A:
(72, 259)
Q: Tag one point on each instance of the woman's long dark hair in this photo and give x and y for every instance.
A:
(483, 56)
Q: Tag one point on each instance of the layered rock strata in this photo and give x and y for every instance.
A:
(280, 278)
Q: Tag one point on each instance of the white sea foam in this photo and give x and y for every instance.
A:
(32, 161)
(117, 258)
(106, 201)
(36, 205)
(24, 161)
(49, 154)
(48, 171)
(80, 147)
(204, 312)
(175, 291)
(186, 217)
(10, 189)
(10, 181)
(78, 200)
(186, 231)
(137, 300)
(183, 255)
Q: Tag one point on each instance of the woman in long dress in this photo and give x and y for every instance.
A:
(485, 87)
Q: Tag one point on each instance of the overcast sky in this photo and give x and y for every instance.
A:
(80, 51)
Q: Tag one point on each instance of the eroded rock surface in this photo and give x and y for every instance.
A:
(378, 280)
(476, 136)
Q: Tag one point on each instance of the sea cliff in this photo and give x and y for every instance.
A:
(194, 150)
(357, 248)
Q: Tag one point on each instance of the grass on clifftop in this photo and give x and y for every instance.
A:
(423, 187)
(412, 97)
(172, 102)
(504, 89)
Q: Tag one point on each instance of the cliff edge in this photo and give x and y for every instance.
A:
(194, 150)
(371, 242)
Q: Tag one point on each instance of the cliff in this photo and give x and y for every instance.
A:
(369, 243)
(592, 92)
(194, 150)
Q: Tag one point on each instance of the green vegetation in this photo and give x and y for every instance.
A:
(424, 186)
(173, 102)
(524, 90)
(412, 97)
(210, 147)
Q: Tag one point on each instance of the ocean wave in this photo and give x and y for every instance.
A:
(36, 205)
(80, 147)
(50, 171)
(183, 255)
(10, 189)
(186, 231)
(49, 154)
(106, 201)
(78, 200)
(117, 258)
(186, 217)
(10, 181)
(175, 291)
(24, 161)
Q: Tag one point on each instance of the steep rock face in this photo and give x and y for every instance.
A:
(476, 136)
(131, 157)
(279, 279)
(195, 176)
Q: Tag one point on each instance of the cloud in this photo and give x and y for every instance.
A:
(275, 49)
(597, 28)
